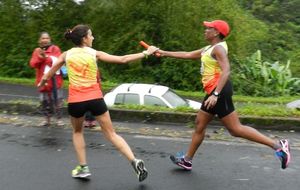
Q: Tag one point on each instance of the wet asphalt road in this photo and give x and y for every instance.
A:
(20, 92)
(37, 158)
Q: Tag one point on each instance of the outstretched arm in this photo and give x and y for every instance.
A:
(57, 65)
(125, 58)
(181, 54)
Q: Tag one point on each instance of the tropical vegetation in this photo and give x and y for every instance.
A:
(264, 41)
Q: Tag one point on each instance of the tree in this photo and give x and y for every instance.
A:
(118, 26)
(13, 48)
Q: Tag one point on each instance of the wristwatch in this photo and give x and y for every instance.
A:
(215, 93)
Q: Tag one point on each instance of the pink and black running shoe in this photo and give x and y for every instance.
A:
(181, 161)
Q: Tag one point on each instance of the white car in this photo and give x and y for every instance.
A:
(147, 94)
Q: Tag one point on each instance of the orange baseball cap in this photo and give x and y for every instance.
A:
(220, 25)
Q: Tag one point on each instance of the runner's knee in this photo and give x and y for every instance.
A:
(77, 129)
(199, 129)
(110, 134)
(236, 132)
(77, 126)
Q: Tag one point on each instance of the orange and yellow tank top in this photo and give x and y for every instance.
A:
(210, 69)
(83, 75)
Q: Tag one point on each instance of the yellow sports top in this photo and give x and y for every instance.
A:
(83, 74)
(210, 68)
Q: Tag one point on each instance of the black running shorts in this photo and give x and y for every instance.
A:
(96, 107)
(224, 105)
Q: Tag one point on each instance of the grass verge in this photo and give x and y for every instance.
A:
(245, 105)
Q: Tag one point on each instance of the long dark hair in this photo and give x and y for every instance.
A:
(77, 33)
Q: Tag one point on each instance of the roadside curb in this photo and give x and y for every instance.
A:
(269, 123)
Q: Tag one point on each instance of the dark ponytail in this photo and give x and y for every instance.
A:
(68, 34)
(77, 33)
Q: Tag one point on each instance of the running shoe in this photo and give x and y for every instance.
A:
(85, 124)
(90, 124)
(44, 124)
(81, 172)
(139, 168)
(283, 153)
(60, 123)
(181, 161)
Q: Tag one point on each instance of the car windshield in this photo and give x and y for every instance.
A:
(174, 99)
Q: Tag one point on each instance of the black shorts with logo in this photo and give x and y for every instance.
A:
(96, 107)
(224, 105)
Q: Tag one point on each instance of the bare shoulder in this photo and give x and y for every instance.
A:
(100, 54)
(219, 50)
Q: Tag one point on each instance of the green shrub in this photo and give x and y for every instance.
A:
(254, 76)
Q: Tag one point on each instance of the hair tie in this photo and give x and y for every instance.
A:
(68, 31)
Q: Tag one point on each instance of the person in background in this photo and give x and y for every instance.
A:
(85, 95)
(215, 71)
(51, 95)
